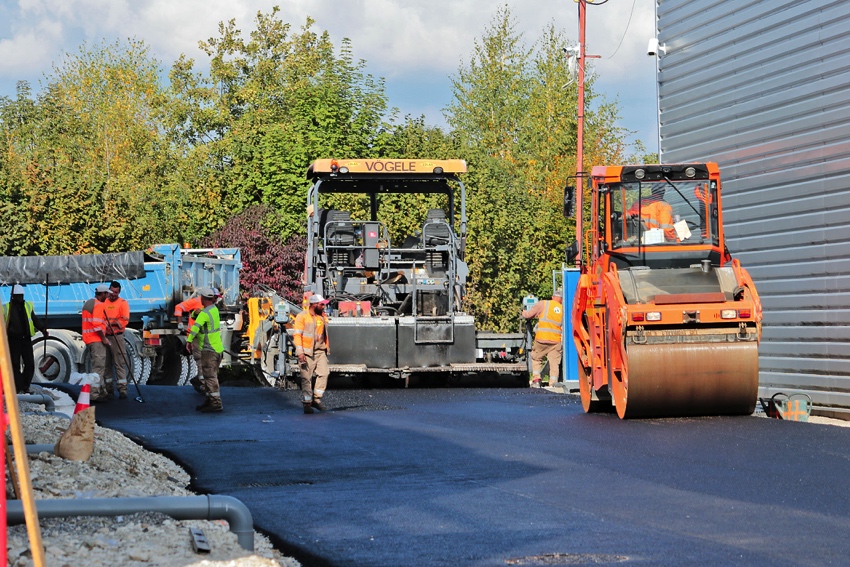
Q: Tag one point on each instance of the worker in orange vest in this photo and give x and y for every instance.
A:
(115, 313)
(311, 346)
(547, 338)
(93, 335)
(655, 212)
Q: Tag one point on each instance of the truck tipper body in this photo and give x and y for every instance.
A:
(152, 282)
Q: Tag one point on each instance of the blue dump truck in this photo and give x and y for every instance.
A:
(152, 281)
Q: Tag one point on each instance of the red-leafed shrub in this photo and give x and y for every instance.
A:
(267, 260)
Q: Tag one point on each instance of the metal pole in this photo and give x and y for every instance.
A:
(582, 13)
(46, 300)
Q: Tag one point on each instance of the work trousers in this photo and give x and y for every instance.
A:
(540, 352)
(97, 351)
(210, 361)
(317, 364)
(20, 351)
(116, 355)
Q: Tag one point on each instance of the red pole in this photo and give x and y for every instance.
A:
(582, 13)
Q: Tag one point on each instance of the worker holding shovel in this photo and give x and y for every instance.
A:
(115, 313)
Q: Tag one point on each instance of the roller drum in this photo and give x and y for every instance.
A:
(691, 379)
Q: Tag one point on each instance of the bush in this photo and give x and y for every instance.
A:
(267, 260)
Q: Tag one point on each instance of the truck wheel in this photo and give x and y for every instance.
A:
(140, 365)
(53, 362)
(186, 363)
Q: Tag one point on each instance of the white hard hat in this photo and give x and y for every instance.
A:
(317, 298)
(17, 289)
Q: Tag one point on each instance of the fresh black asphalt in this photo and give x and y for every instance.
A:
(505, 476)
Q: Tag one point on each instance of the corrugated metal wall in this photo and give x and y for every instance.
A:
(763, 88)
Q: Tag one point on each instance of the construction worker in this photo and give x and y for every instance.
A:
(547, 338)
(94, 332)
(312, 347)
(205, 336)
(115, 313)
(21, 323)
(191, 307)
(655, 212)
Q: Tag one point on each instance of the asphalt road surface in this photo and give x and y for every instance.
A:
(505, 476)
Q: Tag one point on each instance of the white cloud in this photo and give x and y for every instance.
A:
(30, 50)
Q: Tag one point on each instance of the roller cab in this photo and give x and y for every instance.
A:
(666, 323)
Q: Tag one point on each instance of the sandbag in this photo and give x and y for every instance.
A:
(77, 443)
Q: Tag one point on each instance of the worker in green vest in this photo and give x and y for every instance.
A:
(21, 323)
(205, 335)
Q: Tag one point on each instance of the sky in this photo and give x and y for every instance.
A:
(415, 45)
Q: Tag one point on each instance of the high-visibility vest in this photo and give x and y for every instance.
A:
(28, 308)
(308, 328)
(659, 214)
(549, 324)
(115, 315)
(207, 329)
(92, 326)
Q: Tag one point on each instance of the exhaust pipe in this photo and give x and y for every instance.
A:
(209, 507)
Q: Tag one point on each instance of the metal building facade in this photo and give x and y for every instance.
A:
(763, 88)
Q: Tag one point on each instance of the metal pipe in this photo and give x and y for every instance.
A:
(36, 448)
(207, 507)
(44, 399)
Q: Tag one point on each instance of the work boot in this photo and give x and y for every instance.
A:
(203, 405)
(319, 405)
(100, 400)
(212, 408)
(535, 383)
(197, 384)
(122, 396)
(308, 408)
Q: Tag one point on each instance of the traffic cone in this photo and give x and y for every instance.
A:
(83, 400)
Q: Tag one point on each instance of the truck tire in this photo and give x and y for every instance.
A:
(140, 366)
(186, 363)
(191, 373)
(53, 362)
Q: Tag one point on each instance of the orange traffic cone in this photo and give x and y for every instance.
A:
(83, 400)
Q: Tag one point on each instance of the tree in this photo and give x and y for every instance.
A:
(268, 261)
(86, 169)
(515, 121)
(272, 104)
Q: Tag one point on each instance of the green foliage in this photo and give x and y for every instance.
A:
(273, 103)
(107, 158)
(515, 119)
(86, 153)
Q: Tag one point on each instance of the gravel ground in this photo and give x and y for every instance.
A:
(118, 468)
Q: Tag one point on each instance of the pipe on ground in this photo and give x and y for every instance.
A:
(43, 399)
(36, 448)
(207, 507)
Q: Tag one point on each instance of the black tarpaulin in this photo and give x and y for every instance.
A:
(69, 269)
